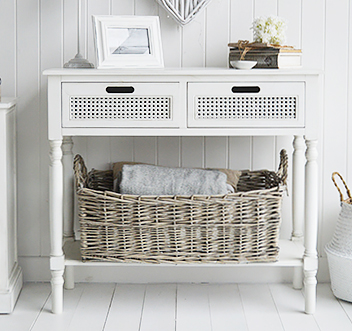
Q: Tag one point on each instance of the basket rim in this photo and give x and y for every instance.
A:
(196, 197)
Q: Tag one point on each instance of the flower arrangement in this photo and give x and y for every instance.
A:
(269, 30)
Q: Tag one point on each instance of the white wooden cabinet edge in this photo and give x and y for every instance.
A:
(10, 272)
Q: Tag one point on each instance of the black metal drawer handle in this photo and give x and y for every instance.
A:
(120, 89)
(245, 89)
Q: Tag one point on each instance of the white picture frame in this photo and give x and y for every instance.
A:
(127, 42)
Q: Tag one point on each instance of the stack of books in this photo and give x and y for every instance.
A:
(267, 55)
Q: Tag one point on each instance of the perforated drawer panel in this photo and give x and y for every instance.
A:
(234, 104)
(119, 105)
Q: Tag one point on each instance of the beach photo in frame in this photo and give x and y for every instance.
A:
(128, 42)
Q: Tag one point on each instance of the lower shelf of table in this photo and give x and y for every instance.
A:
(291, 255)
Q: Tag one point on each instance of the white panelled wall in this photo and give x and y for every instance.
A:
(40, 34)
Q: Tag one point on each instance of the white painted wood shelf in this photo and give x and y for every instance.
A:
(10, 271)
(290, 255)
(186, 102)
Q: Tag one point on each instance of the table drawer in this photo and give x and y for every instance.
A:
(266, 104)
(120, 104)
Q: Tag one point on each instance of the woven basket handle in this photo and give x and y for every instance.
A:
(80, 172)
(344, 183)
(282, 170)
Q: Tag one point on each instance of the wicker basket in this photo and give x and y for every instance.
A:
(339, 250)
(238, 227)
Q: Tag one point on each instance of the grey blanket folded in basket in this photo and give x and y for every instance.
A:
(142, 179)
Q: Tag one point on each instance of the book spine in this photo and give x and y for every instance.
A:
(263, 61)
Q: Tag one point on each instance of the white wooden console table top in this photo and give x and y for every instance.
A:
(10, 271)
(186, 102)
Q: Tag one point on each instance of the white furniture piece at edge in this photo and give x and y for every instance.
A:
(10, 271)
(186, 102)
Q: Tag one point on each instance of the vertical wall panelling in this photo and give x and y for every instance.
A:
(122, 7)
(313, 37)
(28, 122)
(260, 159)
(291, 11)
(335, 116)
(98, 153)
(145, 149)
(216, 152)
(265, 8)
(146, 7)
(193, 42)
(69, 30)
(217, 33)
(8, 53)
(239, 153)
(192, 152)
(349, 93)
(168, 151)
(171, 38)
(121, 149)
(50, 56)
(241, 18)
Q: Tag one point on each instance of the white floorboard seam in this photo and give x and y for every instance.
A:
(111, 301)
(40, 311)
(277, 309)
(141, 317)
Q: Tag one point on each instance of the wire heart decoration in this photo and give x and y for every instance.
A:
(183, 11)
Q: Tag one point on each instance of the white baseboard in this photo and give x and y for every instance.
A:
(36, 269)
(9, 297)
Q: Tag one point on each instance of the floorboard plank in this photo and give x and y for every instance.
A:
(58, 322)
(30, 303)
(329, 315)
(226, 310)
(92, 308)
(259, 308)
(347, 307)
(290, 305)
(159, 308)
(192, 312)
(126, 308)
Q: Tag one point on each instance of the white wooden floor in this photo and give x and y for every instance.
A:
(177, 307)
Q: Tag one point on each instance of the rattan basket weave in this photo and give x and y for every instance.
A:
(235, 228)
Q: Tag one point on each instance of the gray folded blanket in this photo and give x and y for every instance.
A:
(143, 179)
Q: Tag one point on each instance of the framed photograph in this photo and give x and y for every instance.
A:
(128, 42)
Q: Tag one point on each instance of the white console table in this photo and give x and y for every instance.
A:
(186, 102)
(10, 271)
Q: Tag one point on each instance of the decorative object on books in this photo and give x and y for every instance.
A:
(128, 41)
(183, 11)
(241, 64)
(339, 249)
(269, 30)
(267, 55)
(78, 61)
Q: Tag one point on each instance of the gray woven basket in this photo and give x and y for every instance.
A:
(339, 249)
(238, 227)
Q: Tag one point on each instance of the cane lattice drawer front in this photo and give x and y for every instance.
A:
(246, 104)
(120, 105)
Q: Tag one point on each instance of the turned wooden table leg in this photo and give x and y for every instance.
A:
(311, 226)
(67, 161)
(57, 260)
(298, 161)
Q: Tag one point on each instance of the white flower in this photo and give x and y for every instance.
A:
(269, 30)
